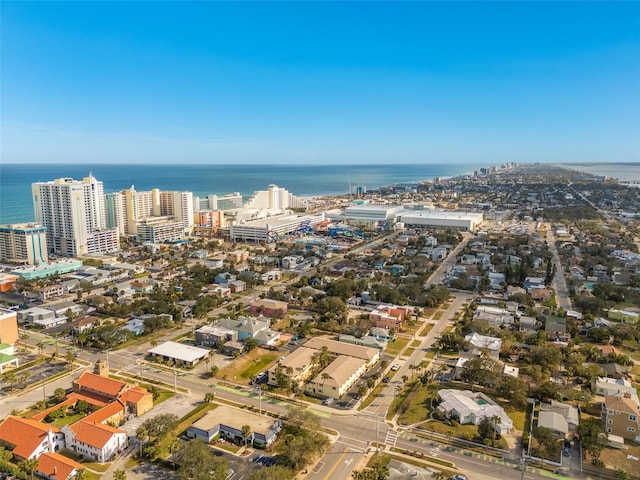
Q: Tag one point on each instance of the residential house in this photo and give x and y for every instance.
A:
(52, 291)
(237, 286)
(382, 334)
(213, 335)
(83, 324)
(268, 307)
(558, 417)
(246, 327)
(238, 256)
(621, 416)
(493, 315)
(472, 407)
(614, 386)
(484, 345)
(624, 316)
(389, 316)
(556, 329)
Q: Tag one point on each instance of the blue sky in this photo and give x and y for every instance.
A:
(322, 82)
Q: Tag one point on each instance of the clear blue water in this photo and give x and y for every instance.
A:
(15, 180)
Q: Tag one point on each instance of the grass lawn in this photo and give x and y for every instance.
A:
(459, 431)
(438, 315)
(416, 343)
(617, 459)
(518, 417)
(409, 351)
(418, 411)
(394, 348)
(68, 419)
(248, 365)
(98, 467)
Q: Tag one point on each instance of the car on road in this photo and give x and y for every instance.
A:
(328, 401)
(459, 477)
(566, 451)
(395, 367)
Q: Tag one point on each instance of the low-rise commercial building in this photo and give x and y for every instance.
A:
(227, 422)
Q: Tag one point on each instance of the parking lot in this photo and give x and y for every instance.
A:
(241, 466)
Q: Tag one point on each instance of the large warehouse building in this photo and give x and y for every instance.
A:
(271, 228)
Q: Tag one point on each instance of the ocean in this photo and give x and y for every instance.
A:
(15, 180)
(625, 172)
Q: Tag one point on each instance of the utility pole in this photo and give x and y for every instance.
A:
(175, 380)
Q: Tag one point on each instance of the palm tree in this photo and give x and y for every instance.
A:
(10, 378)
(495, 420)
(80, 474)
(246, 433)
(70, 358)
(209, 397)
(5, 457)
(28, 466)
(324, 376)
(40, 346)
(121, 474)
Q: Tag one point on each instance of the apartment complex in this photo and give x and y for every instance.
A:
(73, 213)
(23, 244)
(621, 416)
(154, 215)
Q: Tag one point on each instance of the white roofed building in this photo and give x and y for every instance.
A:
(473, 407)
(179, 352)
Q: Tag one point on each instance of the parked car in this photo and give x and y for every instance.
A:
(395, 367)
(566, 452)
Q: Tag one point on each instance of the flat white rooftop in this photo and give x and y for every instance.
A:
(179, 351)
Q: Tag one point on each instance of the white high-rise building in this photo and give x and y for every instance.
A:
(128, 209)
(73, 212)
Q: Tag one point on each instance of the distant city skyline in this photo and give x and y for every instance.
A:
(319, 82)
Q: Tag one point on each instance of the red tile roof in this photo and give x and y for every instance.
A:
(105, 413)
(95, 434)
(134, 395)
(105, 385)
(90, 398)
(24, 434)
(57, 466)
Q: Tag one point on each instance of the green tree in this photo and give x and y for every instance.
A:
(5, 457)
(59, 394)
(159, 426)
(209, 397)
(28, 466)
(70, 358)
(250, 343)
(119, 475)
(196, 461)
(246, 433)
(275, 472)
(592, 436)
(80, 474)
(378, 471)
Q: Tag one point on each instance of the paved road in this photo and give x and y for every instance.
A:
(563, 300)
